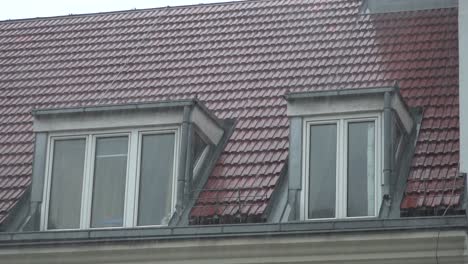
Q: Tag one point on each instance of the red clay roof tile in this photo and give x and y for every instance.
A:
(239, 59)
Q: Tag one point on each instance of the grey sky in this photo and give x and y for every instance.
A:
(14, 9)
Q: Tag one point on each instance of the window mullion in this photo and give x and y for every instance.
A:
(338, 170)
(378, 165)
(305, 171)
(131, 181)
(87, 183)
(47, 187)
(341, 177)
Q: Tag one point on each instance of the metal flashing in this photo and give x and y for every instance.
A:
(235, 230)
(112, 107)
(205, 171)
(18, 213)
(126, 107)
(340, 92)
(278, 199)
(403, 170)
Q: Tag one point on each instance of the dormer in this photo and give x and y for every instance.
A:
(117, 166)
(343, 148)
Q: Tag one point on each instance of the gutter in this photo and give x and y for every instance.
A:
(325, 227)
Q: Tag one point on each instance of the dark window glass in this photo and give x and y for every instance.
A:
(110, 170)
(397, 146)
(156, 179)
(198, 147)
(322, 171)
(66, 184)
(361, 169)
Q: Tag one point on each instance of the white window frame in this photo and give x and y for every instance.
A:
(342, 122)
(132, 177)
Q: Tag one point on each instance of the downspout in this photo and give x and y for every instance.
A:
(387, 151)
(189, 165)
(463, 90)
(183, 158)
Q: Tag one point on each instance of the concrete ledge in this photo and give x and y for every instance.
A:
(127, 233)
(197, 230)
(240, 230)
(254, 228)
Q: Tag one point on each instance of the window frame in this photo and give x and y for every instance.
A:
(342, 121)
(131, 179)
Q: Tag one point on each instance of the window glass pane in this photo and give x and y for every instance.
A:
(198, 147)
(66, 184)
(156, 179)
(110, 170)
(322, 171)
(397, 146)
(361, 169)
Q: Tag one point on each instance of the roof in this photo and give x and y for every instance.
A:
(239, 59)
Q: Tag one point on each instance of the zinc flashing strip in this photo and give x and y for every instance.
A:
(234, 230)
(128, 107)
(340, 92)
(117, 107)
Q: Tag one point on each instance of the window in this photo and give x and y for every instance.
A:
(199, 152)
(398, 139)
(341, 167)
(110, 179)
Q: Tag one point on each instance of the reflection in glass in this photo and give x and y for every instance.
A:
(322, 171)
(110, 170)
(66, 184)
(198, 147)
(156, 179)
(361, 169)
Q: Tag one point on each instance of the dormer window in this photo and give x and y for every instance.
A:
(341, 164)
(337, 141)
(120, 166)
(89, 178)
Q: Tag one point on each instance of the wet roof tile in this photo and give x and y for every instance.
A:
(238, 58)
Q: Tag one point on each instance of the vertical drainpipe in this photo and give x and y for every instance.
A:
(463, 90)
(387, 147)
(189, 165)
(183, 158)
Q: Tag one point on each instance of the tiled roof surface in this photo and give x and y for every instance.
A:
(239, 59)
